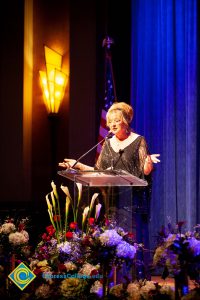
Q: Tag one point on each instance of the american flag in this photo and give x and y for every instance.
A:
(110, 92)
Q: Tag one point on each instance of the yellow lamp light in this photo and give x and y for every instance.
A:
(53, 81)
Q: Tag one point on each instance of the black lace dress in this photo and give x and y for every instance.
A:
(131, 205)
(131, 159)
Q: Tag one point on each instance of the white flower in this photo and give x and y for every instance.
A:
(80, 188)
(110, 238)
(66, 191)
(93, 200)
(97, 288)
(18, 238)
(133, 291)
(33, 264)
(25, 234)
(167, 290)
(159, 254)
(85, 213)
(145, 289)
(70, 266)
(125, 250)
(88, 268)
(97, 210)
(7, 228)
(116, 290)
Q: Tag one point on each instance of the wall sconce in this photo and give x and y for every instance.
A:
(53, 81)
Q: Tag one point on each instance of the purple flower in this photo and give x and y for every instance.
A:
(194, 245)
(125, 250)
(110, 238)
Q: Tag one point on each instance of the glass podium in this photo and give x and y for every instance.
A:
(103, 178)
(124, 199)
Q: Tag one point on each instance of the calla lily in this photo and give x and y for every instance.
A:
(54, 189)
(53, 200)
(48, 203)
(67, 203)
(93, 200)
(98, 208)
(66, 191)
(56, 211)
(85, 213)
(80, 187)
(68, 196)
(51, 217)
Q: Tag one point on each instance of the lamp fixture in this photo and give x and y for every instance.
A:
(53, 81)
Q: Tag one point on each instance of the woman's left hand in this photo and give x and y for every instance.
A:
(154, 158)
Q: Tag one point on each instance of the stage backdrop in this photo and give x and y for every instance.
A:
(164, 96)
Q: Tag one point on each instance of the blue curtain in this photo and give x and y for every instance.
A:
(164, 97)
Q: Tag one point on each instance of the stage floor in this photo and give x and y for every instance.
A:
(169, 281)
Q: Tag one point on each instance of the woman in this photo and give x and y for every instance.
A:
(126, 150)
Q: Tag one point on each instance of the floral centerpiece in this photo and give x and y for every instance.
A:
(77, 258)
(178, 253)
(143, 290)
(14, 248)
(14, 240)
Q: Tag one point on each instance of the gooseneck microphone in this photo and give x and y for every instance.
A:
(109, 135)
(121, 151)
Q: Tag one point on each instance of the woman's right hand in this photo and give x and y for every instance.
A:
(67, 163)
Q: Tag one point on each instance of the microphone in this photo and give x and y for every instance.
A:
(114, 163)
(121, 151)
(109, 135)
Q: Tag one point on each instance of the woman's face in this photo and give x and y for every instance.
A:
(116, 123)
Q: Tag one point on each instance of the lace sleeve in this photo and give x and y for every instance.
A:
(98, 164)
(143, 152)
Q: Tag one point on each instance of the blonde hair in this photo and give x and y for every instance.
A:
(125, 109)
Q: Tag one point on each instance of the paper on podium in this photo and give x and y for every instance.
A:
(103, 177)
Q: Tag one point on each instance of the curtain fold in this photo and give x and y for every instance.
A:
(164, 97)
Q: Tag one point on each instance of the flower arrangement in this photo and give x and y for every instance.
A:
(14, 249)
(79, 252)
(82, 252)
(177, 250)
(14, 239)
(178, 253)
(143, 290)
